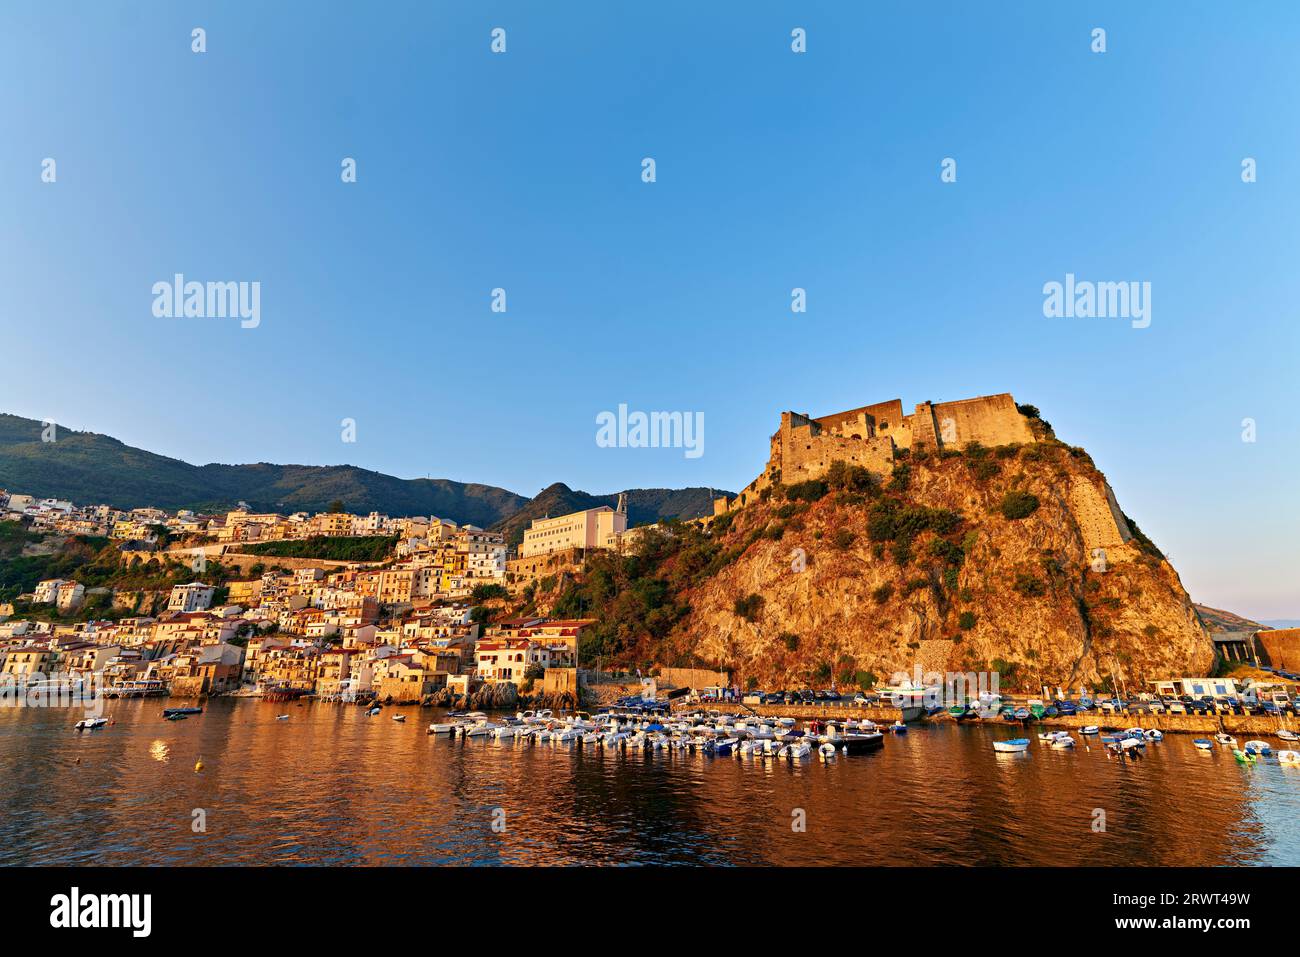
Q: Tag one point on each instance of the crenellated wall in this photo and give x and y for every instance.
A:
(803, 448)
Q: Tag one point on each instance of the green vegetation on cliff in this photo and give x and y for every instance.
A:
(366, 548)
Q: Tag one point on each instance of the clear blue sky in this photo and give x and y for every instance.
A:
(775, 170)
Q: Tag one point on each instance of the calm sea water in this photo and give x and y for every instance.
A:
(333, 786)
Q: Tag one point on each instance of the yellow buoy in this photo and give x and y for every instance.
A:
(198, 765)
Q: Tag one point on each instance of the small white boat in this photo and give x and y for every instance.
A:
(1203, 744)
(799, 749)
(1258, 747)
(399, 717)
(372, 712)
(481, 730)
(1155, 735)
(826, 751)
(1063, 742)
(1287, 735)
(1288, 757)
(90, 724)
(445, 727)
(505, 731)
(1011, 745)
(1090, 729)
(1226, 739)
(591, 738)
(281, 717)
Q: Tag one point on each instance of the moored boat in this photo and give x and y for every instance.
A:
(168, 712)
(1090, 729)
(1287, 735)
(90, 724)
(1288, 757)
(1259, 747)
(1011, 745)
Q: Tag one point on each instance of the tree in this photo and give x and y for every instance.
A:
(335, 507)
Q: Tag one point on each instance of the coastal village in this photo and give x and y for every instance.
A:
(424, 617)
(398, 630)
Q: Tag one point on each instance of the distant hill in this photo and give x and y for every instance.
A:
(1217, 620)
(643, 505)
(1280, 622)
(89, 468)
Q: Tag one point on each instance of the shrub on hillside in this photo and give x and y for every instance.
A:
(1018, 504)
(748, 607)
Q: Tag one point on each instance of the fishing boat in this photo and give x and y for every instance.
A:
(1288, 757)
(1203, 744)
(1226, 739)
(1287, 735)
(399, 717)
(1259, 747)
(1022, 714)
(90, 724)
(168, 712)
(1011, 745)
(1090, 729)
(797, 750)
(1155, 735)
(898, 728)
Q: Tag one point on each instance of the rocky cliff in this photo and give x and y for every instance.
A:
(961, 561)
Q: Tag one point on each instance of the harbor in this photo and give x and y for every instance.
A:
(341, 786)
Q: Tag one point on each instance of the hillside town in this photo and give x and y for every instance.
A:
(398, 630)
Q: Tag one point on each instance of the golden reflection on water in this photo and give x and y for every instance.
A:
(333, 786)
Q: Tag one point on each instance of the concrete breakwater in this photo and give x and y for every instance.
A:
(1233, 724)
(1202, 724)
(881, 714)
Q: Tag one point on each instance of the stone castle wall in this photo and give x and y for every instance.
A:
(1100, 521)
(803, 448)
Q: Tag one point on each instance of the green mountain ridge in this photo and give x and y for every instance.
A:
(90, 468)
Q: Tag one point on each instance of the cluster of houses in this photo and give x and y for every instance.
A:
(395, 630)
(237, 525)
(303, 632)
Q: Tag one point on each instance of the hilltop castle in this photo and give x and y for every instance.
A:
(803, 448)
